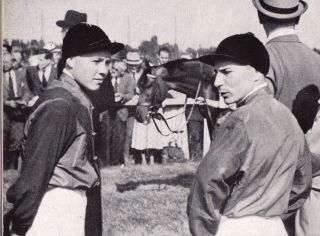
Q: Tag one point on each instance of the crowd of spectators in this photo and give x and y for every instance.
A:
(29, 69)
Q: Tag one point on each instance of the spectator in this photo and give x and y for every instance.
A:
(71, 18)
(163, 55)
(307, 219)
(56, 53)
(123, 86)
(18, 62)
(33, 59)
(16, 96)
(293, 66)
(146, 142)
(41, 76)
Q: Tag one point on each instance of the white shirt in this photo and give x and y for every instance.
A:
(281, 32)
(136, 77)
(47, 72)
(113, 81)
(14, 81)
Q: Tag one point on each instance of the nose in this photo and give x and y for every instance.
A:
(219, 80)
(103, 69)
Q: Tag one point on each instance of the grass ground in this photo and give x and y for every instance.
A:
(141, 200)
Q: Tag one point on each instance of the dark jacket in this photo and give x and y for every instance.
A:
(58, 150)
(34, 82)
(126, 87)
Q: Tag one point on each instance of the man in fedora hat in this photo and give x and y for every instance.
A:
(71, 18)
(293, 66)
(59, 162)
(134, 70)
(242, 185)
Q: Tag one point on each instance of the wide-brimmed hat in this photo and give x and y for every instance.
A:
(72, 18)
(133, 58)
(245, 49)
(85, 38)
(281, 9)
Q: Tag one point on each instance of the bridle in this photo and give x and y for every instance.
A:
(154, 114)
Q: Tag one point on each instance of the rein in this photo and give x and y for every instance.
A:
(155, 114)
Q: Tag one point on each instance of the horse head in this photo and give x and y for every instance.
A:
(186, 76)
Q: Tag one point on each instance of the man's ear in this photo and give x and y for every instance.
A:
(70, 62)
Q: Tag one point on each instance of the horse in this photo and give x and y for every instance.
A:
(191, 77)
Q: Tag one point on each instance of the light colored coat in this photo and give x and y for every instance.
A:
(293, 66)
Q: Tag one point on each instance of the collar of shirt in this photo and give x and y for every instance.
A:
(65, 71)
(243, 100)
(46, 72)
(113, 81)
(281, 32)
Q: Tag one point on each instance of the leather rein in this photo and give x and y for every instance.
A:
(154, 114)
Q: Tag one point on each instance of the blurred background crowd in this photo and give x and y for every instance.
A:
(30, 67)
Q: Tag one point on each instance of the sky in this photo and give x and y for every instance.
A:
(199, 23)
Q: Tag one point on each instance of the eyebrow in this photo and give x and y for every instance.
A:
(223, 69)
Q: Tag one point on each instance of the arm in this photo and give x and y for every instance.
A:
(213, 181)
(129, 88)
(313, 141)
(50, 133)
(30, 82)
(301, 185)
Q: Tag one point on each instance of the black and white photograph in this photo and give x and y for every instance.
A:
(160, 118)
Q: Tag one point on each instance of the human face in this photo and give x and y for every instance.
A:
(91, 69)
(7, 62)
(234, 80)
(163, 57)
(115, 72)
(56, 57)
(16, 59)
(43, 62)
(134, 68)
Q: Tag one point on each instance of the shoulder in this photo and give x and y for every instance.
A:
(31, 68)
(21, 72)
(56, 98)
(236, 121)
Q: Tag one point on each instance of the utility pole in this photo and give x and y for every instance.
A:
(42, 28)
(175, 38)
(128, 31)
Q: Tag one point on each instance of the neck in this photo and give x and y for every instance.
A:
(270, 28)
